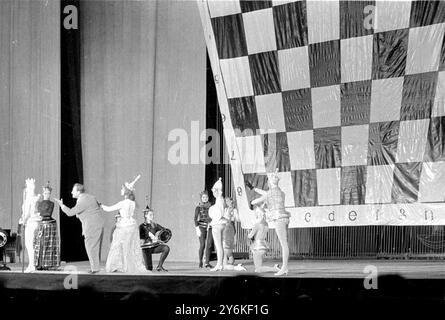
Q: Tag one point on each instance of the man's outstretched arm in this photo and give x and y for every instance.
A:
(80, 207)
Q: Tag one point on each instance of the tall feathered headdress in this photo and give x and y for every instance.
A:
(130, 185)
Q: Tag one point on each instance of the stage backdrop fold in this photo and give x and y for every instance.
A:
(343, 98)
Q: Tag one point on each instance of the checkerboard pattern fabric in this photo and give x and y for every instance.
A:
(345, 98)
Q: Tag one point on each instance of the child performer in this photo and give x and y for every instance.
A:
(203, 229)
(259, 245)
(274, 198)
(230, 215)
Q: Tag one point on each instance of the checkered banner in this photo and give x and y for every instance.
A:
(345, 98)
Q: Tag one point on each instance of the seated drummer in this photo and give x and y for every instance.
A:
(147, 232)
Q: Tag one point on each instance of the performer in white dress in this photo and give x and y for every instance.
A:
(30, 219)
(216, 213)
(125, 251)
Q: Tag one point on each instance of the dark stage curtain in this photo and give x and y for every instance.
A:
(72, 247)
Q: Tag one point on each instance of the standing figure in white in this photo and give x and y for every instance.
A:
(125, 251)
(218, 223)
(30, 220)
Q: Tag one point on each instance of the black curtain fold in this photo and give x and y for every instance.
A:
(72, 246)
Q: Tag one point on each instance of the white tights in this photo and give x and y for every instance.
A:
(30, 229)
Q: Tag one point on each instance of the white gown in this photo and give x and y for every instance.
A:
(125, 251)
(31, 218)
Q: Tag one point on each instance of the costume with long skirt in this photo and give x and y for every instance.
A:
(46, 239)
(125, 251)
(31, 219)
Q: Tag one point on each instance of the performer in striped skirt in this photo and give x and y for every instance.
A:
(46, 239)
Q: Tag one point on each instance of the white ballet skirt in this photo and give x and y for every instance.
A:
(125, 253)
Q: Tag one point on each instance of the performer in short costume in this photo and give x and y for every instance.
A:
(230, 216)
(203, 229)
(259, 245)
(274, 200)
(46, 241)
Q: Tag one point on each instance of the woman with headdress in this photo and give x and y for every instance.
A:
(125, 253)
(30, 219)
(274, 200)
(203, 229)
(46, 241)
(259, 244)
(216, 213)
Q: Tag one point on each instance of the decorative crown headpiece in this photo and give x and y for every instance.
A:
(218, 185)
(47, 186)
(130, 185)
(30, 181)
(273, 177)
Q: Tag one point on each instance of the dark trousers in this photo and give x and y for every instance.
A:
(162, 249)
(205, 243)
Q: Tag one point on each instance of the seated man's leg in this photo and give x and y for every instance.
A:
(147, 252)
(164, 250)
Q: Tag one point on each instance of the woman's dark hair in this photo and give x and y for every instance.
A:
(204, 193)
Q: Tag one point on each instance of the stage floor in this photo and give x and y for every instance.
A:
(186, 285)
(409, 269)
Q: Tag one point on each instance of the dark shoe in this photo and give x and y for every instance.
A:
(200, 265)
(93, 271)
(160, 269)
(208, 265)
